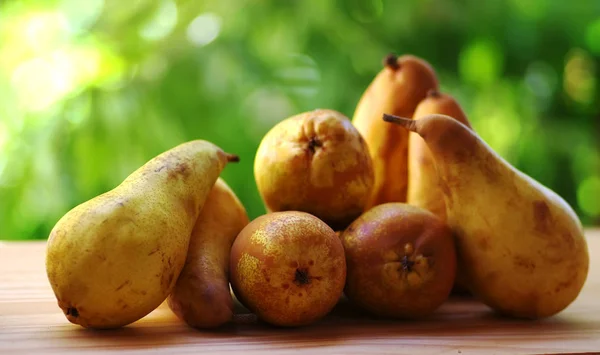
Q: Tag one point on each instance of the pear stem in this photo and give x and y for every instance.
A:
(433, 93)
(232, 158)
(404, 122)
(391, 61)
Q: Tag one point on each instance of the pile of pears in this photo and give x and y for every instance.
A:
(393, 210)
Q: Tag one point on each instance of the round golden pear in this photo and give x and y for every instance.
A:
(288, 268)
(315, 162)
(401, 261)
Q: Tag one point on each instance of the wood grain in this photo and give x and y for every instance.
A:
(31, 322)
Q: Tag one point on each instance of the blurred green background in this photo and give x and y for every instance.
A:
(90, 90)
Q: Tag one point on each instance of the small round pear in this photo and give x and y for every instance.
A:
(401, 261)
(288, 268)
(315, 162)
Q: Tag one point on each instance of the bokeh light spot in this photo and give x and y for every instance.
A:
(204, 29)
(586, 160)
(38, 83)
(495, 116)
(588, 196)
(162, 23)
(592, 37)
(47, 30)
(541, 79)
(580, 76)
(81, 15)
(481, 62)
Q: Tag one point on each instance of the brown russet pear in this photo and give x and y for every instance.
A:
(288, 268)
(520, 246)
(397, 89)
(423, 184)
(201, 296)
(116, 257)
(315, 162)
(401, 261)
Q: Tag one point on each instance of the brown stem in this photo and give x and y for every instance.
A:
(232, 158)
(404, 122)
(391, 61)
(433, 93)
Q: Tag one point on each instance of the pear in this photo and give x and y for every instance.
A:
(201, 296)
(397, 89)
(401, 261)
(315, 162)
(116, 257)
(288, 268)
(520, 246)
(423, 185)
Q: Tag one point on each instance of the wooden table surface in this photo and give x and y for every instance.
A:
(32, 323)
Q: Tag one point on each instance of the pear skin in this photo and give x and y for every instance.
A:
(397, 89)
(202, 297)
(423, 184)
(401, 261)
(288, 268)
(315, 162)
(521, 247)
(116, 257)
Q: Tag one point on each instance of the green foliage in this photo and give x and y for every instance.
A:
(91, 90)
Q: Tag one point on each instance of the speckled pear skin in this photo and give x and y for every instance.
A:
(424, 188)
(397, 89)
(201, 296)
(423, 182)
(521, 247)
(113, 259)
(288, 268)
(401, 261)
(315, 162)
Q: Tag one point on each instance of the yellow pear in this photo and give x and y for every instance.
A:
(288, 268)
(201, 296)
(423, 184)
(397, 89)
(315, 162)
(113, 259)
(521, 247)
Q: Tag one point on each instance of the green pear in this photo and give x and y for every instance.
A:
(520, 246)
(113, 259)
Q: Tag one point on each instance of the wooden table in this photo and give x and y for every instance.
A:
(31, 322)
